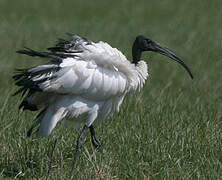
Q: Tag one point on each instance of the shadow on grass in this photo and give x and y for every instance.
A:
(9, 170)
(16, 169)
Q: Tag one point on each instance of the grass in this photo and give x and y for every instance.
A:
(169, 130)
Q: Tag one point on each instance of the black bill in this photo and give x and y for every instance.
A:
(165, 51)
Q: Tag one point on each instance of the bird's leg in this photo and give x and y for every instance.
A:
(79, 144)
(95, 141)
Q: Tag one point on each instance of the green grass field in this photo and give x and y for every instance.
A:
(172, 129)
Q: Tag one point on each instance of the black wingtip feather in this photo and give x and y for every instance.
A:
(25, 105)
(19, 91)
(31, 52)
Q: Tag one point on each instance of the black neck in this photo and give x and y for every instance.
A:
(136, 53)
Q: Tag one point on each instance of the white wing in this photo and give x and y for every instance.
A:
(83, 78)
(87, 69)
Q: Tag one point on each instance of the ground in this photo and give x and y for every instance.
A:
(169, 130)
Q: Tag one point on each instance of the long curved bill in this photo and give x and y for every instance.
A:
(165, 51)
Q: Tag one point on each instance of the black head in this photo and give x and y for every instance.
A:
(143, 43)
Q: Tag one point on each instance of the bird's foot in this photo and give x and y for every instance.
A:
(96, 144)
(95, 141)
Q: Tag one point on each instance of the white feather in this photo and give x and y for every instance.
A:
(89, 86)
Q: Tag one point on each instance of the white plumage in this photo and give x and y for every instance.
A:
(85, 83)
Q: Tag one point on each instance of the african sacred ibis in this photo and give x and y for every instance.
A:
(83, 82)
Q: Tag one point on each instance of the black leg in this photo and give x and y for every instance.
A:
(79, 144)
(95, 141)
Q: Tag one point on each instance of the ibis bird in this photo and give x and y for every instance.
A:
(83, 82)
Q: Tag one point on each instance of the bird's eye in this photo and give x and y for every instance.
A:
(145, 43)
